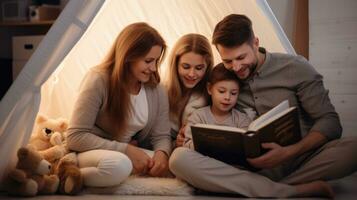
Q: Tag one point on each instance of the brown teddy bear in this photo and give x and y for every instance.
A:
(48, 138)
(29, 177)
(71, 179)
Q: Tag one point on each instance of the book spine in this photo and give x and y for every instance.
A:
(251, 143)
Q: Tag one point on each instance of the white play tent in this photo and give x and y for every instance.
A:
(80, 38)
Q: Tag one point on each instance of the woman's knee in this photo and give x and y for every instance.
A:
(117, 168)
(112, 168)
(103, 168)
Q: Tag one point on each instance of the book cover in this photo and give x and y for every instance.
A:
(233, 145)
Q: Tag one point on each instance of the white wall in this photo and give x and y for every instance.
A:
(333, 52)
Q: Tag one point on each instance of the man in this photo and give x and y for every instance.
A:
(269, 78)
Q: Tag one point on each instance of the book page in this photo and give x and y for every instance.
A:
(262, 120)
(218, 127)
(269, 120)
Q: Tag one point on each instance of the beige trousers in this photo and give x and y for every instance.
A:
(333, 160)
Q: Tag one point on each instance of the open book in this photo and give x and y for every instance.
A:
(233, 145)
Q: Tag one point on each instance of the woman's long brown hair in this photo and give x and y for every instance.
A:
(133, 42)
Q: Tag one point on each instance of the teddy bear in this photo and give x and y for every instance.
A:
(71, 179)
(49, 140)
(48, 137)
(30, 178)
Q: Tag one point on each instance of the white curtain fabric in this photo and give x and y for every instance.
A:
(20, 105)
(82, 35)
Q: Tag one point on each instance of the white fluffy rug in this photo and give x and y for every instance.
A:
(147, 186)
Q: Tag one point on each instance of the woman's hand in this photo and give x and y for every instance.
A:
(142, 163)
(160, 164)
(180, 139)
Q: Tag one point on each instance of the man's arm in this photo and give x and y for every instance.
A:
(314, 100)
(311, 141)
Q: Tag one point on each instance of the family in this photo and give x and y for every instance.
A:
(126, 122)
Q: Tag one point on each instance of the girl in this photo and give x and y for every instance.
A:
(190, 62)
(119, 100)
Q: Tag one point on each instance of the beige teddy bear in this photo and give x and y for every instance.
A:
(48, 137)
(49, 140)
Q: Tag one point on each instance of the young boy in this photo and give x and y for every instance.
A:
(223, 88)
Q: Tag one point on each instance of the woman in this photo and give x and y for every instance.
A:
(120, 100)
(190, 62)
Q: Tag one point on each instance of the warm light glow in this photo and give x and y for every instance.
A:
(171, 18)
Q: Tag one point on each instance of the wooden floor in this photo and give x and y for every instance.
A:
(345, 189)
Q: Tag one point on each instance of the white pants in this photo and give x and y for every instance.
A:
(105, 168)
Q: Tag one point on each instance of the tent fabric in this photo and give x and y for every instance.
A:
(82, 35)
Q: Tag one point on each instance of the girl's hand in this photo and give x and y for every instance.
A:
(140, 160)
(180, 139)
(134, 142)
(160, 164)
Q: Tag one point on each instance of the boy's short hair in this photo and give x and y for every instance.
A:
(233, 30)
(220, 73)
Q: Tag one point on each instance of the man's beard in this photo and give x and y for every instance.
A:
(252, 70)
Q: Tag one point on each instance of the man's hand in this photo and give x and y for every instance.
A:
(160, 164)
(180, 139)
(276, 156)
(141, 161)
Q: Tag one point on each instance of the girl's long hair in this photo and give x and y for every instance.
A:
(133, 42)
(195, 43)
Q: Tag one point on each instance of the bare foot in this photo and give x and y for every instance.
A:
(315, 189)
